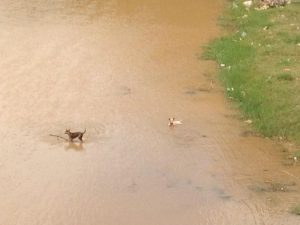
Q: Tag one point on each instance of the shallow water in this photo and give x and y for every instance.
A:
(120, 69)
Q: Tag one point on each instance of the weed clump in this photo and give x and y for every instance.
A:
(285, 76)
(296, 210)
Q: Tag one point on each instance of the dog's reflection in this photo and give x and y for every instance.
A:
(76, 146)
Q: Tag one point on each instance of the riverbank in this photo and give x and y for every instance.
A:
(258, 58)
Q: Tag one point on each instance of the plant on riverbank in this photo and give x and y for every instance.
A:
(296, 210)
(258, 59)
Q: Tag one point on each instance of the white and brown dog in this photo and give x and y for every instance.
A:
(173, 122)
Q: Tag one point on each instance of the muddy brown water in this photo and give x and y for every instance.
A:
(120, 69)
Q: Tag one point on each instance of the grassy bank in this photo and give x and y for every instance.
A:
(258, 57)
(296, 210)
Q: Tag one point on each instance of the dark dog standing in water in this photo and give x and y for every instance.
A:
(73, 135)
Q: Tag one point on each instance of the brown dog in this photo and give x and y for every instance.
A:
(73, 135)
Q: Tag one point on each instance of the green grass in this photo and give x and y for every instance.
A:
(296, 154)
(260, 52)
(296, 210)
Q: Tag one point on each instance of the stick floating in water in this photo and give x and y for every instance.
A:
(53, 135)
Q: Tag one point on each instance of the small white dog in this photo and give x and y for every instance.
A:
(173, 122)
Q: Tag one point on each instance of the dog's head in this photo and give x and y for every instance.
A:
(67, 131)
(171, 121)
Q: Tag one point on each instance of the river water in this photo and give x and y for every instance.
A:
(120, 69)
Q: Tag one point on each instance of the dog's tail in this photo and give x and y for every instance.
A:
(84, 131)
